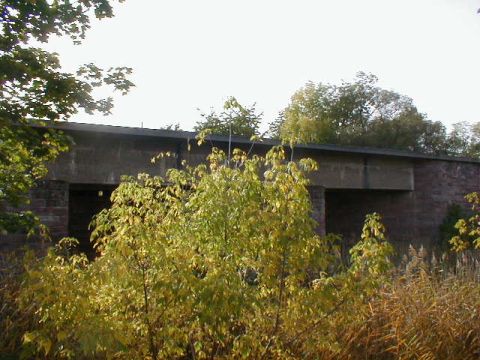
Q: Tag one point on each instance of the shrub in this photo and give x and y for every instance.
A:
(447, 229)
(215, 261)
(468, 234)
(218, 261)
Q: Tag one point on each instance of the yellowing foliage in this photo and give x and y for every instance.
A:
(215, 261)
(468, 229)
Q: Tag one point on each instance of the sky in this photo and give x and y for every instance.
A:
(193, 54)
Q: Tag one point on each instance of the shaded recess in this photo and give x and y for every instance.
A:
(345, 212)
(86, 200)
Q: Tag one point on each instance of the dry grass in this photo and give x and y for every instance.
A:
(430, 311)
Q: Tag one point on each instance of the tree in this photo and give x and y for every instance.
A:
(215, 261)
(358, 113)
(408, 131)
(475, 140)
(464, 140)
(36, 91)
(306, 119)
(235, 119)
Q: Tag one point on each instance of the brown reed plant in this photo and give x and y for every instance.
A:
(431, 310)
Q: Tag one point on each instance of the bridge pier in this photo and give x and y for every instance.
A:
(317, 197)
(49, 200)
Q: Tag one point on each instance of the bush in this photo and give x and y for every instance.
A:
(447, 229)
(215, 261)
(218, 261)
(468, 229)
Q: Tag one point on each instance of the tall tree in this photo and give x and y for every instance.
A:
(34, 90)
(464, 139)
(357, 113)
(235, 119)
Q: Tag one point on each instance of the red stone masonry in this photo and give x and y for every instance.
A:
(49, 201)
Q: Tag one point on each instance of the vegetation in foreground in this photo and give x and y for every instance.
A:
(218, 262)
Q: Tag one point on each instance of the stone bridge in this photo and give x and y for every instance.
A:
(411, 191)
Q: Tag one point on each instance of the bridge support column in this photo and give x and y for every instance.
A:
(49, 201)
(317, 196)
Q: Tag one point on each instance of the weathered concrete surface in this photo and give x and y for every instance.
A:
(102, 158)
(352, 171)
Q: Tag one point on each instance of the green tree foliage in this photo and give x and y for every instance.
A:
(34, 90)
(357, 113)
(468, 234)
(235, 119)
(464, 140)
(215, 261)
(24, 152)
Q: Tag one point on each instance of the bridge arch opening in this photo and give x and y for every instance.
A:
(345, 212)
(85, 201)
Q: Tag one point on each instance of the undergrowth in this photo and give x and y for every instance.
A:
(217, 262)
(14, 322)
(431, 310)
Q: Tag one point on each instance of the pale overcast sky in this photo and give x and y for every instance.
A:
(189, 54)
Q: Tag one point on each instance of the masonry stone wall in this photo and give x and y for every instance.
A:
(439, 184)
(317, 196)
(346, 210)
(411, 217)
(49, 201)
